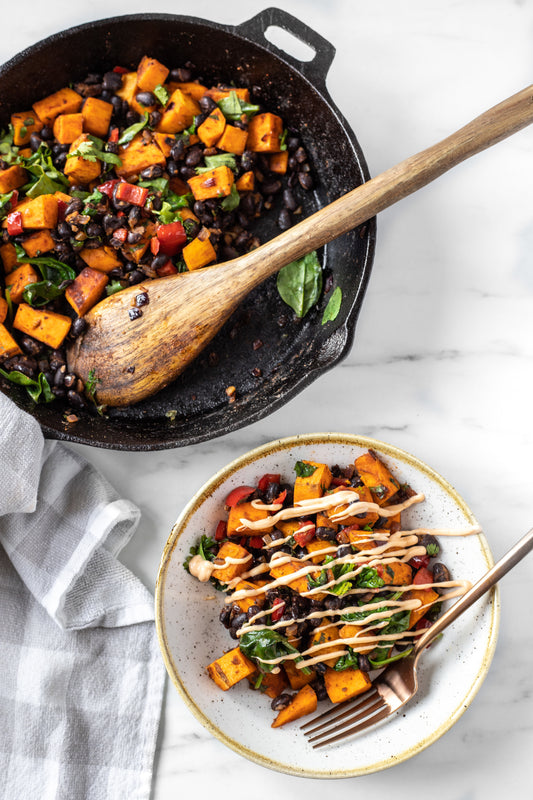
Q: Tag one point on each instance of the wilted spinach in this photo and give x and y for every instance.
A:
(300, 283)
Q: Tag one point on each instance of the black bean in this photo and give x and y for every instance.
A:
(320, 690)
(207, 104)
(430, 543)
(69, 380)
(111, 223)
(133, 237)
(146, 98)
(239, 620)
(177, 150)
(185, 172)
(271, 492)
(180, 74)
(142, 299)
(135, 313)
(284, 219)
(106, 95)
(320, 668)
(172, 168)
(159, 261)
(194, 156)
(305, 180)
(56, 359)
(153, 171)
(31, 346)
(233, 633)
(440, 573)
(74, 207)
(300, 155)
(247, 160)
(281, 701)
(326, 534)
(135, 276)
(224, 616)
(112, 81)
(59, 377)
(131, 117)
(117, 104)
(270, 187)
(35, 142)
(58, 391)
(46, 132)
(364, 663)
(93, 230)
(344, 550)
(289, 200)
(75, 399)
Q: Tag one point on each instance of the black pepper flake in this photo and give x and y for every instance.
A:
(135, 313)
(131, 370)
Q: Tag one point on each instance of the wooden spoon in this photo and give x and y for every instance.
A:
(135, 358)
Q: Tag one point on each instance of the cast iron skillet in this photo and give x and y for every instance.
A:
(294, 352)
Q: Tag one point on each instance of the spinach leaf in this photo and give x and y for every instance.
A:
(5, 204)
(380, 657)
(38, 390)
(300, 283)
(50, 268)
(45, 178)
(232, 200)
(8, 151)
(233, 107)
(304, 470)
(220, 160)
(162, 94)
(350, 659)
(368, 578)
(130, 133)
(41, 293)
(113, 287)
(333, 307)
(265, 644)
(206, 547)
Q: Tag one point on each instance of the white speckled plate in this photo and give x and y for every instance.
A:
(191, 635)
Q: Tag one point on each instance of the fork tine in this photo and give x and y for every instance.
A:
(367, 723)
(352, 712)
(335, 713)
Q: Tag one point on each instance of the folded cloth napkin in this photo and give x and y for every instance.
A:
(82, 680)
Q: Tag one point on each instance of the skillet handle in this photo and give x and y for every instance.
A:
(314, 70)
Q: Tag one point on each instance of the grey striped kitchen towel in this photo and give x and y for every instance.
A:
(81, 678)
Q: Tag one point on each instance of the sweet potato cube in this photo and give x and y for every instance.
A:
(11, 178)
(216, 93)
(79, 169)
(65, 101)
(272, 683)
(326, 632)
(362, 540)
(38, 242)
(278, 162)
(215, 182)
(246, 183)
(136, 251)
(230, 668)
(361, 493)
(306, 488)
(305, 702)
(96, 115)
(199, 253)
(245, 602)
(45, 326)
(151, 73)
(67, 127)
(320, 550)
(230, 551)
(179, 113)
(8, 254)
(24, 124)
(41, 212)
(346, 684)
(245, 511)
(8, 346)
(427, 597)
(18, 280)
(212, 128)
(103, 258)
(3, 309)
(186, 213)
(129, 87)
(299, 584)
(377, 477)
(233, 140)
(353, 632)
(264, 133)
(194, 89)
(297, 677)
(139, 154)
(165, 142)
(397, 573)
(86, 291)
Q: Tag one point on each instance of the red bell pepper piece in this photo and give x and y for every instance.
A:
(220, 532)
(340, 482)
(166, 269)
(277, 610)
(120, 70)
(120, 235)
(130, 193)
(417, 562)
(423, 575)
(267, 479)
(281, 497)
(171, 238)
(14, 223)
(154, 245)
(238, 494)
(62, 206)
(108, 187)
(256, 542)
(303, 537)
(113, 135)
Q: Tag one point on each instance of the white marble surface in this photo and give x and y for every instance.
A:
(441, 366)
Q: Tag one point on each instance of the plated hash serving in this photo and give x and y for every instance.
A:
(323, 585)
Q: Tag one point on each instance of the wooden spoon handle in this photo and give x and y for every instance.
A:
(408, 176)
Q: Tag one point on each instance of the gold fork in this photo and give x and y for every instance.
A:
(399, 683)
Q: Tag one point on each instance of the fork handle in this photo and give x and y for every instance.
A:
(501, 568)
